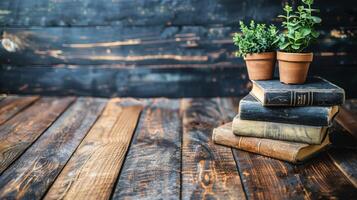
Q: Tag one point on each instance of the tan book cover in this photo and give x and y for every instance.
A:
(283, 150)
(279, 131)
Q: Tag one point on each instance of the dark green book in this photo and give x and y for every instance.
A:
(251, 109)
(315, 92)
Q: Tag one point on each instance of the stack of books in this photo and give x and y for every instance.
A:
(286, 122)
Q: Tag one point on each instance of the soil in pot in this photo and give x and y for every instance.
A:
(260, 65)
(293, 67)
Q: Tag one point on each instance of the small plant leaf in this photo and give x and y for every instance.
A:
(305, 31)
(315, 34)
(284, 46)
(295, 46)
(317, 20)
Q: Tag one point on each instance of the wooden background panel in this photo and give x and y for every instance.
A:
(135, 82)
(151, 45)
(147, 81)
(108, 45)
(154, 31)
(162, 33)
(153, 12)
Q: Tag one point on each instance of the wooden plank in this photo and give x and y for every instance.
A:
(18, 133)
(323, 180)
(34, 172)
(145, 81)
(176, 12)
(208, 170)
(346, 161)
(118, 45)
(266, 178)
(151, 45)
(134, 82)
(93, 169)
(153, 164)
(13, 105)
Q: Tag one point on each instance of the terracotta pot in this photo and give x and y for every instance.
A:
(260, 65)
(293, 67)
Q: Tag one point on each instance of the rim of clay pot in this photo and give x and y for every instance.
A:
(260, 56)
(295, 57)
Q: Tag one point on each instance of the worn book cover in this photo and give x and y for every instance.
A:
(251, 109)
(279, 131)
(283, 150)
(315, 92)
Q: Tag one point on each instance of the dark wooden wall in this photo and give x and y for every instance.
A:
(148, 48)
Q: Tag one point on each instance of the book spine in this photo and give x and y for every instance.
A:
(276, 149)
(312, 115)
(279, 131)
(306, 98)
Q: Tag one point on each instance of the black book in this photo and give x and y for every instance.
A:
(251, 109)
(315, 92)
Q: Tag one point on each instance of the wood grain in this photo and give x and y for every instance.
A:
(267, 178)
(150, 45)
(13, 105)
(323, 180)
(346, 161)
(34, 172)
(152, 166)
(95, 165)
(208, 170)
(316, 179)
(18, 133)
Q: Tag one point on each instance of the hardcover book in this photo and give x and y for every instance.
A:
(283, 150)
(279, 131)
(315, 92)
(251, 109)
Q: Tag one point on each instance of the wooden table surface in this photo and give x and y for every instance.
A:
(92, 148)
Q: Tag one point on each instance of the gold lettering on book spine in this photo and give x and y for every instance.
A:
(305, 98)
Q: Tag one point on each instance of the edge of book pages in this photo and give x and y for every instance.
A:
(279, 131)
(283, 150)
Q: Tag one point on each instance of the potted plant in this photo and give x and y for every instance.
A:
(299, 32)
(257, 44)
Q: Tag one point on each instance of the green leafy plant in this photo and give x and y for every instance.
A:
(299, 27)
(255, 38)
